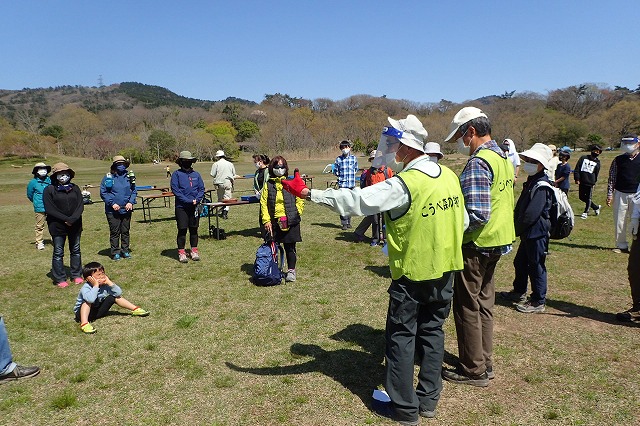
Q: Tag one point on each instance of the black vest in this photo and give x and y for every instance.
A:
(290, 209)
(628, 173)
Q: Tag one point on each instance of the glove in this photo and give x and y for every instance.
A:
(635, 224)
(295, 185)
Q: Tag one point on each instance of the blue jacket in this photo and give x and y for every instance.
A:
(117, 189)
(91, 294)
(187, 186)
(34, 192)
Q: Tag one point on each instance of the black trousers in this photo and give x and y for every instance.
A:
(99, 309)
(584, 193)
(119, 226)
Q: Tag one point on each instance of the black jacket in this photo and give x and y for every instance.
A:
(531, 214)
(587, 170)
(63, 206)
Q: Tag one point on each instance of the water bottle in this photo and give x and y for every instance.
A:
(132, 177)
(108, 182)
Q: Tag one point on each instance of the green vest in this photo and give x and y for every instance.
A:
(426, 241)
(500, 230)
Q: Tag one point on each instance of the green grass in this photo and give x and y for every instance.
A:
(218, 351)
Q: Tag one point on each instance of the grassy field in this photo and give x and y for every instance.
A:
(218, 351)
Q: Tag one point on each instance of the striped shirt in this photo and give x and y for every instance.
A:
(345, 168)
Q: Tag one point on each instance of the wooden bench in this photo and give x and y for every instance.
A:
(146, 201)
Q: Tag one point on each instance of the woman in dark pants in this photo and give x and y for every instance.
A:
(64, 206)
(188, 187)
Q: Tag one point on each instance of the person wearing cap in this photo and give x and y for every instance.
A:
(432, 149)
(487, 185)
(224, 174)
(425, 218)
(563, 172)
(370, 177)
(35, 189)
(64, 206)
(585, 175)
(118, 191)
(509, 147)
(553, 164)
(624, 175)
(345, 168)
(532, 224)
(188, 187)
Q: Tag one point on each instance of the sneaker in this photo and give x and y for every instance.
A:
(629, 315)
(598, 210)
(291, 276)
(429, 414)
(195, 255)
(63, 284)
(20, 372)
(88, 328)
(345, 227)
(620, 250)
(456, 376)
(116, 256)
(139, 312)
(512, 296)
(40, 246)
(182, 257)
(386, 410)
(78, 280)
(583, 216)
(374, 243)
(126, 255)
(530, 308)
(490, 374)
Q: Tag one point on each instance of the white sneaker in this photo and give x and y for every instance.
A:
(291, 276)
(598, 210)
(40, 246)
(584, 216)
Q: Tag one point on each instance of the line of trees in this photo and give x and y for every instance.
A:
(576, 116)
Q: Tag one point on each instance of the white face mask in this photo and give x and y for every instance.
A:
(628, 148)
(279, 172)
(433, 158)
(346, 151)
(462, 148)
(42, 172)
(63, 178)
(530, 168)
(390, 161)
(258, 165)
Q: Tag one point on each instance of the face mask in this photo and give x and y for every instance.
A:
(121, 168)
(279, 171)
(462, 148)
(530, 168)
(346, 151)
(628, 148)
(390, 160)
(42, 172)
(63, 178)
(258, 165)
(186, 165)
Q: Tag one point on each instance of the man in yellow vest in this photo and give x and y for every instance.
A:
(487, 185)
(425, 220)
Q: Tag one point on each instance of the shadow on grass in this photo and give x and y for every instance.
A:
(170, 253)
(161, 219)
(249, 232)
(327, 225)
(382, 271)
(247, 268)
(573, 310)
(573, 245)
(359, 371)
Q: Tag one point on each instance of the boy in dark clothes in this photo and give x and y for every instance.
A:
(586, 175)
(532, 223)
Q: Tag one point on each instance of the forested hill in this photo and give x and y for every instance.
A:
(46, 101)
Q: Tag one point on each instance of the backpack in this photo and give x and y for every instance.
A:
(267, 270)
(561, 213)
(203, 209)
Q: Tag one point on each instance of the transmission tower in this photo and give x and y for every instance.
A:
(100, 81)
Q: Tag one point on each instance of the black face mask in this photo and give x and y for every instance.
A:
(594, 154)
(186, 164)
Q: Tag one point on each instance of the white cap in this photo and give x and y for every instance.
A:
(413, 131)
(463, 116)
(433, 148)
(220, 153)
(539, 152)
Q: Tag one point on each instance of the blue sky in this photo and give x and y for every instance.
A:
(422, 51)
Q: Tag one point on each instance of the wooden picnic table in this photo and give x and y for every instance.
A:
(166, 196)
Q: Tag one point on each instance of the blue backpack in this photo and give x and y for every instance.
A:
(267, 270)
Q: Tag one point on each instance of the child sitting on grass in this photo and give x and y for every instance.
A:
(96, 297)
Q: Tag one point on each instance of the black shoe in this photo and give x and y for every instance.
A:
(629, 315)
(20, 372)
(345, 227)
(490, 374)
(429, 414)
(386, 410)
(225, 214)
(512, 296)
(457, 377)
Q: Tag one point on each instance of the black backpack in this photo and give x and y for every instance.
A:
(561, 213)
(267, 271)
